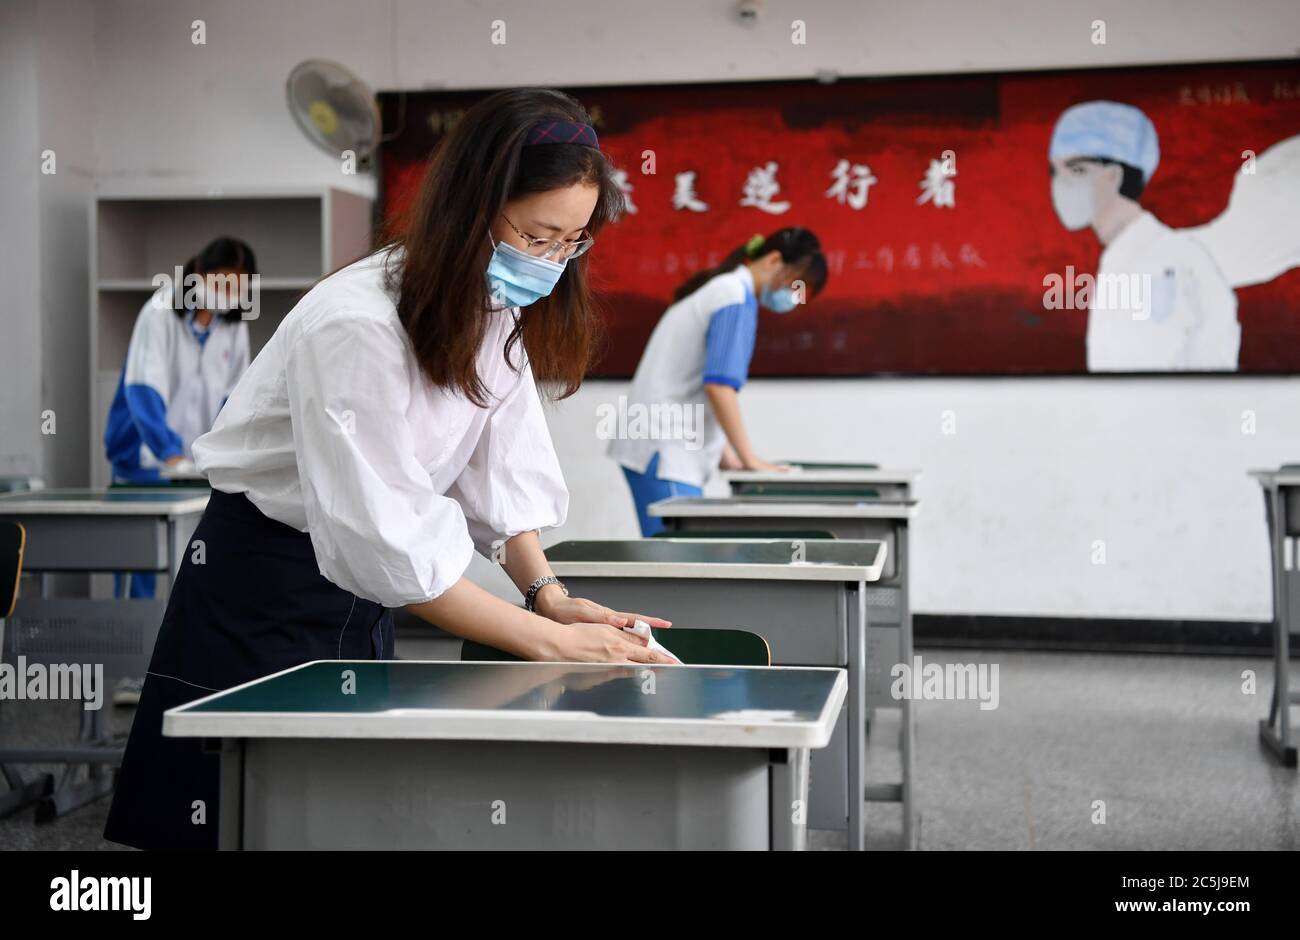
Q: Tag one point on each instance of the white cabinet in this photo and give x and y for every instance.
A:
(297, 236)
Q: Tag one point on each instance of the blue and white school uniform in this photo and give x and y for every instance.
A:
(173, 384)
(706, 337)
(175, 379)
(344, 484)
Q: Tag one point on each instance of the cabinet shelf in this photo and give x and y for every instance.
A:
(297, 236)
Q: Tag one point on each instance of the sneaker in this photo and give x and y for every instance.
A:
(127, 692)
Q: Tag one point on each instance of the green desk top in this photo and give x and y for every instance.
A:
(811, 508)
(132, 494)
(792, 488)
(526, 701)
(162, 500)
(780, 534)
(182, 483)
(723, 552)
(772, 559)
(820, 465)
(766, 499)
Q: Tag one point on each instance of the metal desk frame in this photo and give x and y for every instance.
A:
(846, 518)
(493, 754)
(1282, 509)
(812, 478)
(89, 535)
(631, 584)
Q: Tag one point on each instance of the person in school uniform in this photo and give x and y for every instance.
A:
(390, 428)
(188, 348)
(696, 362)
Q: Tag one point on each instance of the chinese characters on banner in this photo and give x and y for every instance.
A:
(851, 187)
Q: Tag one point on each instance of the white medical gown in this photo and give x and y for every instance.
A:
(1161, 304)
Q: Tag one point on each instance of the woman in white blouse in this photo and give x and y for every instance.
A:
(391, 426)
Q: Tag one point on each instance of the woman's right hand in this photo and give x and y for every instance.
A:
(602, 643)
(765, 466)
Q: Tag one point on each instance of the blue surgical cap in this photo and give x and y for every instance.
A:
(1107, 129)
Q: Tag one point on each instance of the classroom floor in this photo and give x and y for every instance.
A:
(1167, 742)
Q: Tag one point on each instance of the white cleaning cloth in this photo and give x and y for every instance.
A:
(642, 629)
(180, 470)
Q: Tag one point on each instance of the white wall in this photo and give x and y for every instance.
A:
(46, 73)
(65, 89)
(171, 111)
(1039, 469)
(20, 405)
(1036, 473)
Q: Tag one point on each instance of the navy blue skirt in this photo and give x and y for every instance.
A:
(252, 604)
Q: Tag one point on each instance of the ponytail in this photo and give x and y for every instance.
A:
(799, 249)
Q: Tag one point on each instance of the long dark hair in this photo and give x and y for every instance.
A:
(443, 299)
(800, 251)
(222, 252)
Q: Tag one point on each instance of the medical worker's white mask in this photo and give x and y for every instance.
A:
(1074, 199)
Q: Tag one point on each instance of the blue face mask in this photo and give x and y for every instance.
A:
(519, 278)
(781, 300)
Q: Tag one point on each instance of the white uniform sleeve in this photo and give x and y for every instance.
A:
(240, 358)
(378, 527)
(512, 482)
(149, 356)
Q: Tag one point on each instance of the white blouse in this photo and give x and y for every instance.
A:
(334, 430)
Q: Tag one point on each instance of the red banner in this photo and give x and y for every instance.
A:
(931, 197)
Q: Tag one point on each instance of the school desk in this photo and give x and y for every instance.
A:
(1282, 510)
(822, 478)
(91, 531)
(472, 755)
(889, 636)
(807, 599)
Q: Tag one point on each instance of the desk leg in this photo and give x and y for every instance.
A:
(907, 716)
(230, 812)
(789, 788)
(174, 554)
(857, 722)
(1275, 732)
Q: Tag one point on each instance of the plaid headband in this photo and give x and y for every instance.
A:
(561, 132)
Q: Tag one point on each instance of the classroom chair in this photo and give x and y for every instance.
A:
(705, 646)
(13, 538)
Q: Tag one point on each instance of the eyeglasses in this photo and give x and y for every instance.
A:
(553, 247)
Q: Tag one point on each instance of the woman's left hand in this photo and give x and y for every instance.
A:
(564, 609)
